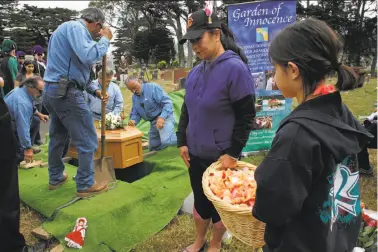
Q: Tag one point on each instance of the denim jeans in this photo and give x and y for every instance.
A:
(70, 117)
(161, 138)
(34, 128)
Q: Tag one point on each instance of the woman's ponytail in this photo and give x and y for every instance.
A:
(346, 78)
(228, 42)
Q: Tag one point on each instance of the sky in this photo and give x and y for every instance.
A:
(73, 5)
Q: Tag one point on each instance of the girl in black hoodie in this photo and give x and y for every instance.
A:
(308, 185)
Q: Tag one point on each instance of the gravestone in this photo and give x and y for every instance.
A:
(141, 75)
(155, 74)
(167, 75)
(182, 83)
(179, 73)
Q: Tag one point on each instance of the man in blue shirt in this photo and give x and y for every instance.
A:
(21, 108)
(115, 100)
(152, 103)
(72, 52)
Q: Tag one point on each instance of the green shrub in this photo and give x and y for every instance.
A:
(175, 63)
(162, 64)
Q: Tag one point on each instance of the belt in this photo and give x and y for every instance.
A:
(71, 84)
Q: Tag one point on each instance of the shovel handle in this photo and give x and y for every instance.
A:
(103, 106)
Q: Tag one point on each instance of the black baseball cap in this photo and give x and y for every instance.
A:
(198, 23)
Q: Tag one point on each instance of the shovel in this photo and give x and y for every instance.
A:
(103, 166)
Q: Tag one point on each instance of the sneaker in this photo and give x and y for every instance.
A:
(56, 186)
(97, 188)
(367, 171)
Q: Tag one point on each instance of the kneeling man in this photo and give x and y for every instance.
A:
(152, 103)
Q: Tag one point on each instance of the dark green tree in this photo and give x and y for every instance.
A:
(30, 25)
(7, 9)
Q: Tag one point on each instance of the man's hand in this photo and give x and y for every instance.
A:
(106, 32)
(1, 82)
(99, 96)
(131, 123)
(228, 161)
(28, 155)
(43, 118)
(184, 153)
(160, 123)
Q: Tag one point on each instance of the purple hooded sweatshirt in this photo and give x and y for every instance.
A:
(213, 93)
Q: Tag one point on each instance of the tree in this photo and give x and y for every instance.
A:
(43, 21)
(192, 6)
(175, 11)
(350, 20)
(30, 25)
(154, 45)
(134, 16)
(7, 8)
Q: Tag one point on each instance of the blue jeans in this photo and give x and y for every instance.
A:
(34, 128)
(161, 138)
(70, 117)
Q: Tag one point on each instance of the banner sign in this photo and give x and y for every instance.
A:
(255, 25)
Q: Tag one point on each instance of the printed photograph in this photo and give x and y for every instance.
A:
(259, 103)
(259, 79)
(263, 122)
(273, 103)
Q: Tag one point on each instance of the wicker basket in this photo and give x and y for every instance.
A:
(238, 220)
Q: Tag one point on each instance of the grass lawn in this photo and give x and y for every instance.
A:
(180, 232)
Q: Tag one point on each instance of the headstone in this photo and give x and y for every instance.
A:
(179, 73)
(155, 74)
(182, 83)
(167, 75)
(141, 75)
(368, 78)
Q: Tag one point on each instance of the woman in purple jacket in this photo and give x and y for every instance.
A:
(216, 116)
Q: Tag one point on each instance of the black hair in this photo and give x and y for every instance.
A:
(228, 41)
(28, 62)
(31, 82)
(314, 47)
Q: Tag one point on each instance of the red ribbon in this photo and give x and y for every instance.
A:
(325, 89)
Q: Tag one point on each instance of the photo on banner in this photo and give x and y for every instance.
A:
(255, 25)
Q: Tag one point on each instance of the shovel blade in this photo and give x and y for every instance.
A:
(104, 170)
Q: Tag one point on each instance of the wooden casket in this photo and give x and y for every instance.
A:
(124, 145)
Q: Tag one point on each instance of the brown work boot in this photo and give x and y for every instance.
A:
(56, 186)
(97, 188)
